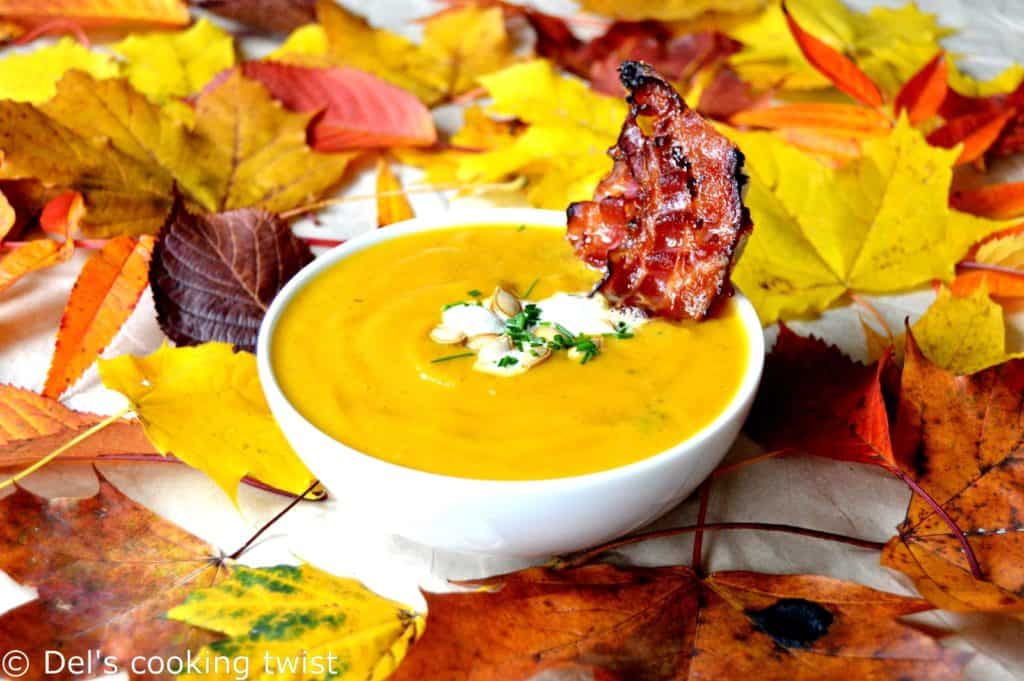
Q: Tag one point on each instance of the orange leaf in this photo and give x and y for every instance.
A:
(357, 110)
(835, 149)
(1001, 283)
(849, 119)
(96, 13)
(102, 299)
(62, 214)
(977, 132)
(392, 203)
(32, 426)
(998, 201)
(65, 211)
(923, 94)
(843, 73)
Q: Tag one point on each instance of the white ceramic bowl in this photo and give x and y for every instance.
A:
(515, 518)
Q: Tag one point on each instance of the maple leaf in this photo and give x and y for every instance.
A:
(458, 47)
(32, 426)
(293, 613)
(32, 76)
(205, 405)
(165, 65)
(392, 203)
(961, 437)
(666, 623)
(878, 224)
(104, 296)
(213, 276)
(889, 45)
(354, 109)
(124, 153)
(266, 15)
(671, 10)
(105, 569)
(561, 152)
(97, 13)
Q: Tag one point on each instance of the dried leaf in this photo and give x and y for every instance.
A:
(878, 224)
(660, 624)
(164, 66)
(355, 110)
(842, 72)
(32, 426)
(962, 435)
(206, 406)
(97, 13)
(61, 216)
(8, 218)
(273, 16)
(976, 132)
(125, 154)
(922, 96)
(668, 10)
(840, 119)
(300, 613)
(104, 296)
(392, 203)
(32, 76)
(106, 569)
(213, 276)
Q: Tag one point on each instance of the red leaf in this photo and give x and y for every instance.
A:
(815, 399)
(843, 73)
(998, 201)
(977, 132)
(923, 94)
(356, 109)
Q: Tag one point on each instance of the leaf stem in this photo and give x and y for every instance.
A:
(584, 557)
(733, 467)
(270, 523)
(64, 447)
(697, 559)
(873, 311)
(972, 559)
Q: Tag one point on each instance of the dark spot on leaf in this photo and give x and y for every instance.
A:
(793, 622)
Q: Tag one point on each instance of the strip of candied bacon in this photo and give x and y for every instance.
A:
(668, 221)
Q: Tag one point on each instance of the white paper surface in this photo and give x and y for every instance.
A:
(845, 498)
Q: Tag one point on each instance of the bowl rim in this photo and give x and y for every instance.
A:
(497, 217)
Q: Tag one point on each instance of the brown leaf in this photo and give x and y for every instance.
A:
(815, 399)
(962, 437)
(32, 426)
(213, 276)
(666, 624)
(392, 203)
(273, 16)
(106, 570)
(103, 297)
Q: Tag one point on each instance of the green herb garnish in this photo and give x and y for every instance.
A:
(474, 293)
(507, 361)
(517, 328)
(521, 228)
(623, 330)
(448, 306)
(448, 358)
(529, 289)
(588, 347)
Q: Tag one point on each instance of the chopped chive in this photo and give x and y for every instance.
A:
(448, 306)
(448, 358)
(530, 288)
(507, 361)
(474, 293)
(521, 228)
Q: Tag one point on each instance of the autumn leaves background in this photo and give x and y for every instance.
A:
(859, 135)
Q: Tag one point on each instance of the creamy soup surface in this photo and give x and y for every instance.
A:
(352, 353)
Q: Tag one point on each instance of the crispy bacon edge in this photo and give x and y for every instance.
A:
(668, 222)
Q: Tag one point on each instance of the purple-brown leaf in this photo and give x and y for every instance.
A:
(213, 276)
(265, 15)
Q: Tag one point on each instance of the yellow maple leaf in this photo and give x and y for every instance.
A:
(459, 46)
(1006, 81)
(890, 45)
(667, 10)
(963, 334)
(308, 40)
(204, 404)
(32, 76)
(296, 623)
(167, 64)
(562, 151)
(238, 148)
(878, 224)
